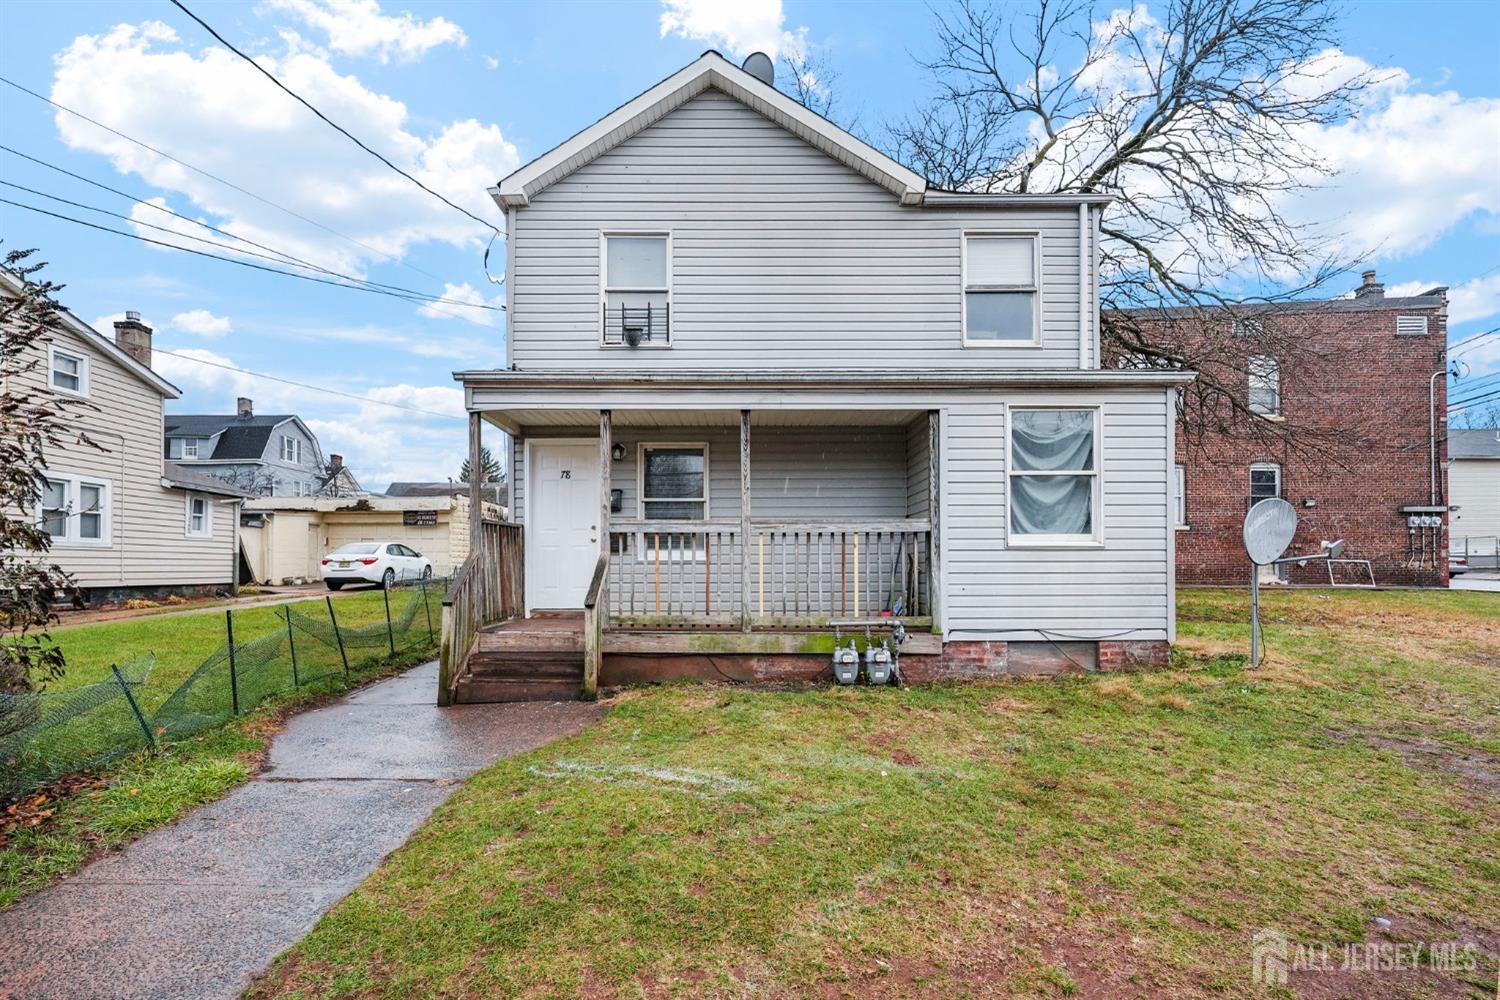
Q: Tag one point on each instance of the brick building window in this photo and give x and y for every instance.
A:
(1265, 482)
(1179, 495)
(1265, 385)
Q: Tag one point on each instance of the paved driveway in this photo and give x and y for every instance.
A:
(197, 909)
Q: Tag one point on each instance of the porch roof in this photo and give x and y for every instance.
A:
(766, 378)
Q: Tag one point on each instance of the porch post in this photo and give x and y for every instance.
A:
(934, 514)
(745, 536)
(606, 446)
(476, 492)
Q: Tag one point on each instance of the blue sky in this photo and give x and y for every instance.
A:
(462, 92)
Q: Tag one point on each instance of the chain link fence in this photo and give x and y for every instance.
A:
(52, 733)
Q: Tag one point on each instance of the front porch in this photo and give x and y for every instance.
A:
(720, 543)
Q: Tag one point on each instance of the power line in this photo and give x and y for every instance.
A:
(279, 259)
(329, 121)
(1483, 397)
(422, 299)
(1452, 352)
(308, 385)
(215, 177)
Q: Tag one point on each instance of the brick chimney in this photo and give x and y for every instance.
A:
(1370, 287)
(243, 407)
(134, 337)
(335, 462)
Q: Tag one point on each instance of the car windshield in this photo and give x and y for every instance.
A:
(357, 549)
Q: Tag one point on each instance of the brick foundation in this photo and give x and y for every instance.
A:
(1134, 655)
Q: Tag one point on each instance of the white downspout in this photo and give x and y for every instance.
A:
(1084, 284)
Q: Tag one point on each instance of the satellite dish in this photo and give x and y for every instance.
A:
(1269, 527)
(759, 65)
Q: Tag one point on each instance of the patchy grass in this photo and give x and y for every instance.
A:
(51, 833)
(1107, 837)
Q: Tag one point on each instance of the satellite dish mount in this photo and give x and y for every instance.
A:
(1270, 526)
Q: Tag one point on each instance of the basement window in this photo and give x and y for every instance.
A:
(1001, 306)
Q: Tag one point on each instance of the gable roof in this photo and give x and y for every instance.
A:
(12, 285)
(1481, 443)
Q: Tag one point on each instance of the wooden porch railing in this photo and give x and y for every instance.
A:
(595, 614)
(488, 588)
(801, 574)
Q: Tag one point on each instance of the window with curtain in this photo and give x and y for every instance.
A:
(1265, 385)
(69, 372)
(1000, 290)
(1054, 475)
(674, 482)
(636, 289)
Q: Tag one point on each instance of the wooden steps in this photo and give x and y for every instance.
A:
(536, 659)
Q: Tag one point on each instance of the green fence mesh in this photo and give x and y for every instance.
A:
(53, 733)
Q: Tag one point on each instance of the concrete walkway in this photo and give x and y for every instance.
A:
(197, 909)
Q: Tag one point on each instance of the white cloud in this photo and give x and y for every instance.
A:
(215, 111)
(472, 309)
(106, 324)
(739, 27)
(358, 28)
(1477, 298)
(424, 439)
(202, 323)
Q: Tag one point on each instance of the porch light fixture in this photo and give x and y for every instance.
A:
(617, 453)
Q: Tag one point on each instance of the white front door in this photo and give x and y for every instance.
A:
(562, 524)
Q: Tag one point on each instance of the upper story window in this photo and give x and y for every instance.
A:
(190, 448)
(1265, 385)
(74, 510)
(70, 372)
(291, 449)
(1001, 307)
(636, 283)
(1054, 477)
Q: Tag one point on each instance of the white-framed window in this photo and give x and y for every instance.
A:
(1053, 475)
(200, 516)
(74, 509)
(673, 481)
(1179, 495)
(190, 448)
(635, 289)
(1001, 281)
(1248, 326)
(1411, 326)
(69, 372)
(1264, 376)
(291, 449)
(1265, 481)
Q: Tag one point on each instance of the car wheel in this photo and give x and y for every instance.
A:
(335, 584)
(389, 580)
(426, 573)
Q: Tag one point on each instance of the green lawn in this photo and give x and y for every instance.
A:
(1110, 836)
(143, 791)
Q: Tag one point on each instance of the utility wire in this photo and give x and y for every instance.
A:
(421, 299)
(308, 385)
(329, 121)
(1471, 341)
(215, 177)
(1483, 397)
(233, 249)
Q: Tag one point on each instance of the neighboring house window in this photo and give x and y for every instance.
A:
(674, 482)
(1411, 326)
(190, 448)
(637, 289)
(70, 372)
(1265, 482)
(74, 510)
(1000, 290)
(1248, 327)
(291, 449)
(200, 517)
(1054, 476)
(1179, 495)
(1265, 385)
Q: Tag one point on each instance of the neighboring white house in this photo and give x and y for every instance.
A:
(1474, 494)
(123, 521)
(778, 379)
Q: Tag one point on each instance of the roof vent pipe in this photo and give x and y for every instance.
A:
(760, 66)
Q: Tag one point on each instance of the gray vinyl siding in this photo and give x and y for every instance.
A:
(269, 475)
(148, 540)
(781, 258)
(918, 469)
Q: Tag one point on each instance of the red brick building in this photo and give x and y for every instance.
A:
(1359, 393)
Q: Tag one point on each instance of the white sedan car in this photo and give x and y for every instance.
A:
(385, 563)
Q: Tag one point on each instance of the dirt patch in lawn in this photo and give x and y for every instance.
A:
(1479, 770)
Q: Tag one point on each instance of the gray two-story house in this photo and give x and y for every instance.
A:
(761, 380)
(268, 455)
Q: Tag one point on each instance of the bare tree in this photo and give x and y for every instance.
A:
(1476, 417)
(809, 79)
(32, 418)
(1197, 121)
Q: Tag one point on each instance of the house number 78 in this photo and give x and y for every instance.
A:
(567, 473)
